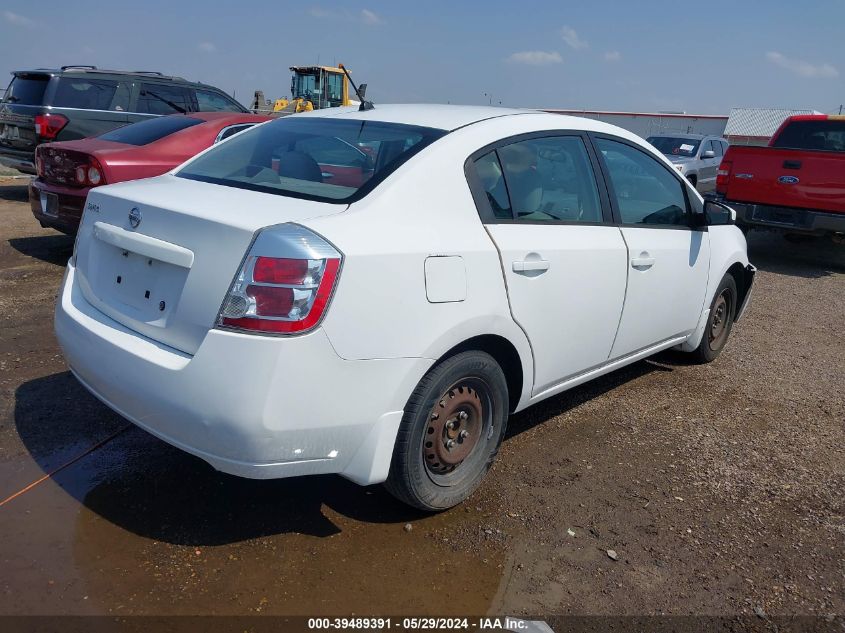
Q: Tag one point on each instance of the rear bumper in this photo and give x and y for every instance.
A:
(810, 222)
(254, 406)
(71, 203)
(23, 161)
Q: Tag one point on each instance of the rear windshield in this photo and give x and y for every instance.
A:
(813, 135)
(151, 130)
(27, 89)
(315, 158)
(675, 146)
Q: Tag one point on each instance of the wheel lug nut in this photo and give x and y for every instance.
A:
(450, 424)
(463, 415)
(450, 444)
(463, 434)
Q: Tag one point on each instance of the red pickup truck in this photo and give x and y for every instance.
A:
(796, 184)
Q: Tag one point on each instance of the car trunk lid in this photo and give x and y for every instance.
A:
(165, 271)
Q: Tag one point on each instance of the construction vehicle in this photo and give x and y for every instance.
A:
(315, 88)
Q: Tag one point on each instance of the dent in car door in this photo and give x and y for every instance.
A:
(668, 260)
(564, 266)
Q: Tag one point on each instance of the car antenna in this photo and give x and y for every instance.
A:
(365, 105)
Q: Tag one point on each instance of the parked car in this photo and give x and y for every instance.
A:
(74, 102)
(68, 170)
(695, 156)
(796, 185)
(250, 311)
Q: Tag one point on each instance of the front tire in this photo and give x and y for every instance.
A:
(719, 322)
(451, 431)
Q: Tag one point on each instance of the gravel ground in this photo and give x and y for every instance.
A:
(662, 488)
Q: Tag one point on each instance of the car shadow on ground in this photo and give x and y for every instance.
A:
(54, 249)
(17, 192)
(811, 259)
(156, 491)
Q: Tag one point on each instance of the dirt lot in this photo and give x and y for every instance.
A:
(720, 488)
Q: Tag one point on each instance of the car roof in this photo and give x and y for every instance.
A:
(672, 135)
(150, 75)
(439, 116)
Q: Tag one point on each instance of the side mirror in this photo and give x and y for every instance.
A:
(708, 154)
(718, 213)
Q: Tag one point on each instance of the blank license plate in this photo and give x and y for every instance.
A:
(49, 204)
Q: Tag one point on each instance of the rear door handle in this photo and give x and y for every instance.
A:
(527, 266)
(643, 262)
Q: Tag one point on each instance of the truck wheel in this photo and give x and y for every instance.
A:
(719, 322)
(453, 425)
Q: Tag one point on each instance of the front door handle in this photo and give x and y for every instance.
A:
(643, 262)
(531, 265)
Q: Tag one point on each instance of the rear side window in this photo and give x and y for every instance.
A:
(161, 99)
(550, 179)
(813, 135)
(151, 130)
(646, 191)
(332, 160)
(492, 178)
(86, 94)
(27, 89)
(209, 101)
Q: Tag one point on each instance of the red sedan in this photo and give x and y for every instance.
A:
(68, 170)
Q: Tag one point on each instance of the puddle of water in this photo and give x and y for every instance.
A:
(141, 528)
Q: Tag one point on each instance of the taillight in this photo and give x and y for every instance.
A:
(39, 162)
(89, 173)
(723, 175)
(48, 126)
(285, 283)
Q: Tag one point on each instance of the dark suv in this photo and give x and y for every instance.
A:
(74, 102)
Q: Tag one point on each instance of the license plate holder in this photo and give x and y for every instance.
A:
(49, 204)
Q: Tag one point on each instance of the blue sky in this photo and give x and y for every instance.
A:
(702, 57)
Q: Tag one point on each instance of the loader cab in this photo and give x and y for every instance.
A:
(322, 86)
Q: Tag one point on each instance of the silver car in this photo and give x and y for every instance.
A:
(695, 156)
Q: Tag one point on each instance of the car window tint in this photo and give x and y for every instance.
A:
(209, 101)
(825, 135)
(717, 148)
(551, 179)
(232, 130)
(646, 191)
(81, 92)
(27, 90)
(314, 158)
(490, 175)
(150, 130)
(161, 99)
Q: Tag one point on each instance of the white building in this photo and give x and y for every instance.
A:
(645, 124)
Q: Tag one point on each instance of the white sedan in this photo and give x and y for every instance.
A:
(373, 293)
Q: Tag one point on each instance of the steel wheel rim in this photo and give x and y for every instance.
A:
(720, 319)
(458, 426)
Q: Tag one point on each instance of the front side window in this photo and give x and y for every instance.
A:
(314, 158)
(646, 191)
(210, 101)
(550, 179)
(161, 99)
(84, 93)
(672, 146)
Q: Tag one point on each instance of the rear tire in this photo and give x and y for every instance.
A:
(719, 322)
(451, 431)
